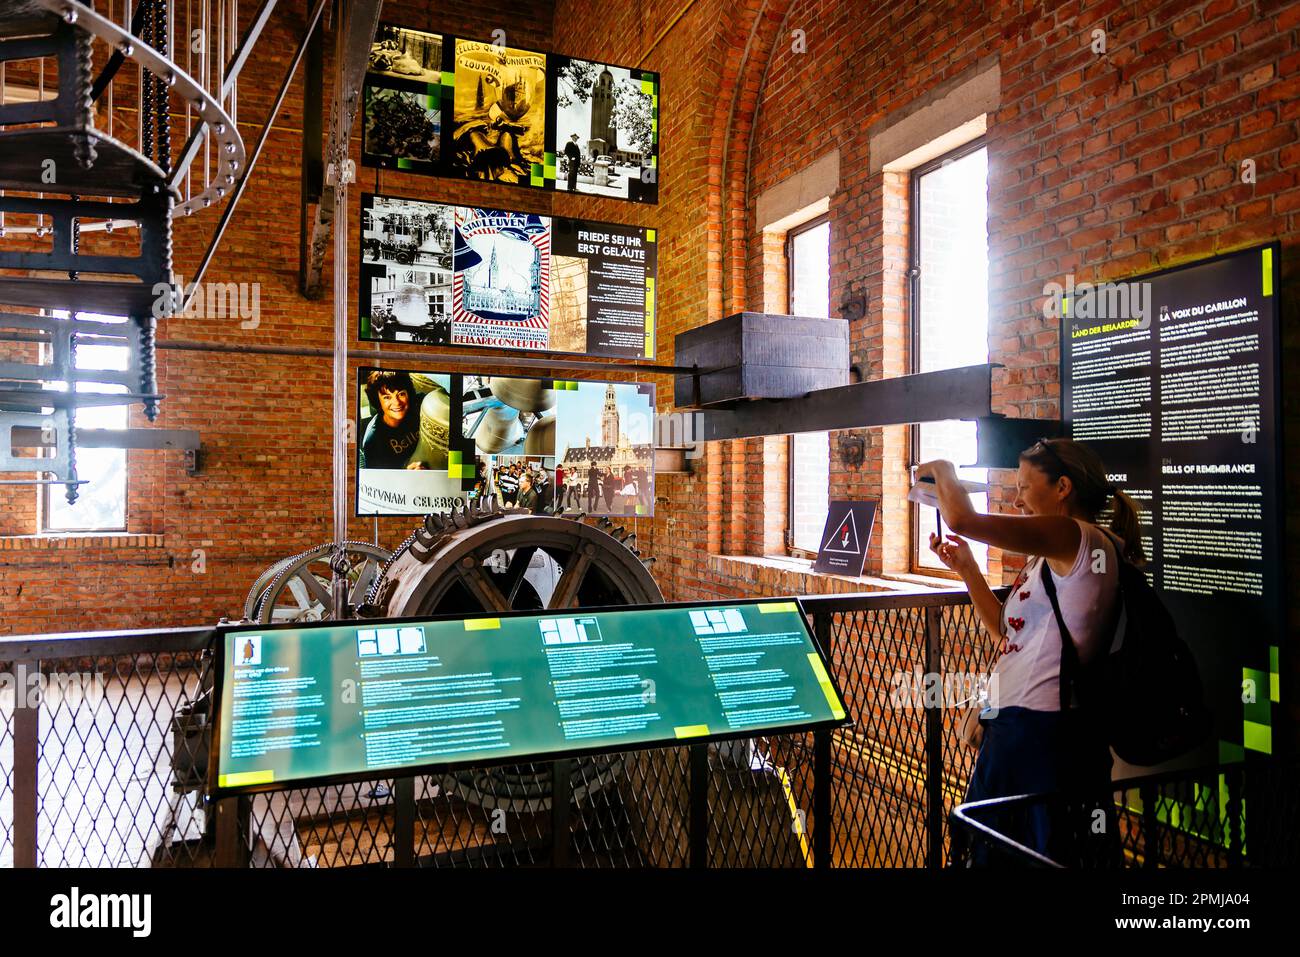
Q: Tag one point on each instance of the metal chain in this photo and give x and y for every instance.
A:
(162, 119)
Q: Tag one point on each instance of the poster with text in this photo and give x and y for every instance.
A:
(603, 289)
(606, 129)
(498, 129)
(501, 293)
(1174, 379)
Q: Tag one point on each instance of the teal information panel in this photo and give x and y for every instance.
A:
(326, 701)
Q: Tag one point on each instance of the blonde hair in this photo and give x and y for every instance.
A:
(1092, 491)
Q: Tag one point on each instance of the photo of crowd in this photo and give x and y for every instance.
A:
(517, 481)
(605, 457)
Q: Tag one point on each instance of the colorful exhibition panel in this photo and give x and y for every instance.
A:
(431, 441)
(487, 278)
(450, 106)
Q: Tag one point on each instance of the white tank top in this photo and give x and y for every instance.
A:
(1027, 674)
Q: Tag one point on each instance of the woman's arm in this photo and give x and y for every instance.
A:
(1052, 536)
(956, 554)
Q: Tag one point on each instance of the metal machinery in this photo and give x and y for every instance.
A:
(297, 588)
(480, 558)
(87, 203)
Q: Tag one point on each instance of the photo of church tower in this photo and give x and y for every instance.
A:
(606, 130)
(604, 441)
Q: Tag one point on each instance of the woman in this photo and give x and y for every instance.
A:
(1033, 738)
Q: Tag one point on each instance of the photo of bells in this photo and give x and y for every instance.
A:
(515, 417)
(435, 416)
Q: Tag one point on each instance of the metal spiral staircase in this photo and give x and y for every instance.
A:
(90, 180)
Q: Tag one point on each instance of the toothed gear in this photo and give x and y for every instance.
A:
(484, 557)
(263, 601)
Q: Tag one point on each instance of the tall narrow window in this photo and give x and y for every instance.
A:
(950, 325)
(101, 502)
(808, 266)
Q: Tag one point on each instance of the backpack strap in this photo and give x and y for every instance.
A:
(1069, 654)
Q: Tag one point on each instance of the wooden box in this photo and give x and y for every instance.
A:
(754, 355)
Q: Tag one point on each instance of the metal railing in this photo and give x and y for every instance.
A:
(121, 783)
(1219, 816)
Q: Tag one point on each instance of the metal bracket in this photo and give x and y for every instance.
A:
(193, 461)
(341, 174)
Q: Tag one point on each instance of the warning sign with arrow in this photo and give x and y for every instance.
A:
(846, 538)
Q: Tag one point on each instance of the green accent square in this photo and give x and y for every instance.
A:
(455, 457)
(650, 237)
(1273, 664)
(549, 159)
(1257, 737)
(1231, 752)
(1268, 271)
(648, 86)
(1275, 687)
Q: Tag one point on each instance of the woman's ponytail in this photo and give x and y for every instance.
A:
(1126, 525)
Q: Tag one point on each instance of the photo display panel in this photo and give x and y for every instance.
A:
(429, 441)
(469, 276)
(451, 106)
(1174, 379)
(312, 703)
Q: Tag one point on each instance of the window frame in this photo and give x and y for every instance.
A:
(821, 219)
(44, 509)
(914, 333)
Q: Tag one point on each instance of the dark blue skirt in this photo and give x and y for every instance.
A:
(1037, 752)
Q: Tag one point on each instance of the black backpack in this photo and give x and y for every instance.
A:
(1144, 697)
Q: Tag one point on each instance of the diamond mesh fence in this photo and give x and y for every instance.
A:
(120, 730)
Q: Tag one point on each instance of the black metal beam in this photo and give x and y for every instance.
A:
(32, 438)
(359, 23)
(964, 393)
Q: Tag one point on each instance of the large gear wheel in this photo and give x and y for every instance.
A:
(297, 588)
(482, 558)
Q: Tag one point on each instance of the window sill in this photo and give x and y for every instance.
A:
(78, 540)
(783, 574)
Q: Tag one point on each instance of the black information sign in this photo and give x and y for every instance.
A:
(845, 538)
(1174, 378)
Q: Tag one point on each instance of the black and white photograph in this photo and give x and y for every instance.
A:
(406, 270)
(401, 128)
(405, 54)
(606, 130)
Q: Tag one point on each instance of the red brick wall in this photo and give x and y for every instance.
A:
(264, 491)
(1098, 166)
